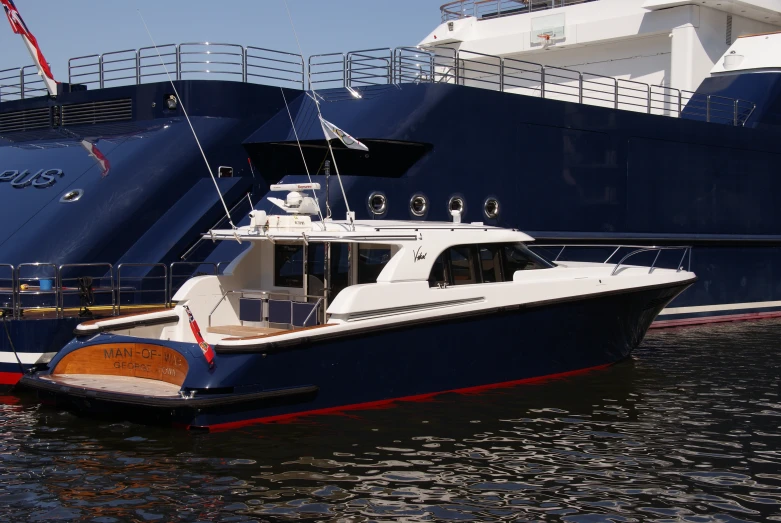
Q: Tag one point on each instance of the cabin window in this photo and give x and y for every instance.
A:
(462, 265)
(439, 275)
(517, 257)
(492, 263)
(372, 259)
(288, 265)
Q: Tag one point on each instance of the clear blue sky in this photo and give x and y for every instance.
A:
(71, 28)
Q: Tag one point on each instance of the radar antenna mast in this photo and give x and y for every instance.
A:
(329, 130)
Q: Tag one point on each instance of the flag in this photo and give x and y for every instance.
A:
(19, 27)
(206, 349)
(100, 159)
(333, 132)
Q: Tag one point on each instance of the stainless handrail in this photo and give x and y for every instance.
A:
(487, 9)
(63, 291)
(266, 297)
(367, 67)
(687, 249)
(12, 279)
(164, 277)
(314, 308)
(54, 292)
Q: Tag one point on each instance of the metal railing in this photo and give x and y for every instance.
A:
(558, 83)
(637, 249)
(188, 61)
(385, 66)
(487, 9)
(19, 83)
(266, 297)
(139, 290)
(20, 284)
(75, 272)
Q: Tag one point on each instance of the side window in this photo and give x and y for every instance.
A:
(518, 258)
(439, 274)
(491, 263)
(288, 265)
(371, 260)
(462, 265)
(467, 264)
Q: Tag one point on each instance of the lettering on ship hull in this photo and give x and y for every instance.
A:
(39, 179)
(139, 360)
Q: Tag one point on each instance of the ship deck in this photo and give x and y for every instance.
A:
(117, 384)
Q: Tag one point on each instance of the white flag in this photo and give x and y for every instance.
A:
(333, 132)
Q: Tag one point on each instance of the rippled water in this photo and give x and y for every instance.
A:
(689, 430)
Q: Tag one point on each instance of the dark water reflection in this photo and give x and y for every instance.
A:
(688, 431)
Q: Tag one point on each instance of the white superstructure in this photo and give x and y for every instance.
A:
(668, 43)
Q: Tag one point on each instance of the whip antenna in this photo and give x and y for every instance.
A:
(319, 114)
(319, 212)
(195, 135)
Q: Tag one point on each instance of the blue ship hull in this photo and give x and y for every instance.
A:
(562, 171)
(361, 369)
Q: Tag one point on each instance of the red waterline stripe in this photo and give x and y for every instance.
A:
(371, 405)
(668, 324)
(10, 378)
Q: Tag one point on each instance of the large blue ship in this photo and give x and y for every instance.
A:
(105, 196)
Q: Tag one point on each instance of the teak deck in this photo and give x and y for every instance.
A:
(120, 384)
(242, 331)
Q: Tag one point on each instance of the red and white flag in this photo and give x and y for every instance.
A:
(206, 349)
(19, 27)
(100, 159)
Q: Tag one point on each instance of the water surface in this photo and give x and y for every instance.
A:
(688, 430)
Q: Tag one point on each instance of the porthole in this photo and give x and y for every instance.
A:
(456, 203)
(378, 204)
(418, 205)
(491, 208)
(72, 196)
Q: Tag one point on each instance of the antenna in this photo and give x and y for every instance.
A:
(320, 114)
(319, 213)
(197, 141)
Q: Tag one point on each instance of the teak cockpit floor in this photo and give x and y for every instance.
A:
(242, 331)
(120, 384)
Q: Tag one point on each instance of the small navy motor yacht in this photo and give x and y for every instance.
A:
(320, 315)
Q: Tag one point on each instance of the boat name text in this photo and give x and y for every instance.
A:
(40, 179)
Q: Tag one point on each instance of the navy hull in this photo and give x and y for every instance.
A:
(566, 172)
(453, 353)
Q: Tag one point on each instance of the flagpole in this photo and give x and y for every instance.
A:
(319, 113)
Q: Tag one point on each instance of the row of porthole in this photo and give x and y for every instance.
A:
(418, 205)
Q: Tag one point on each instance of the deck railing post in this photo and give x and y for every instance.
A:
(243, 64)
(649, 99)
(179, 62)
(615, 91)
(580, 87)
(707, 109)
(100, 71)
(501, 74)
(21, 82)
(542, 81)
(735, 114)
(138, 68)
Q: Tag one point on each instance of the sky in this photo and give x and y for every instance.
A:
(71, 28)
